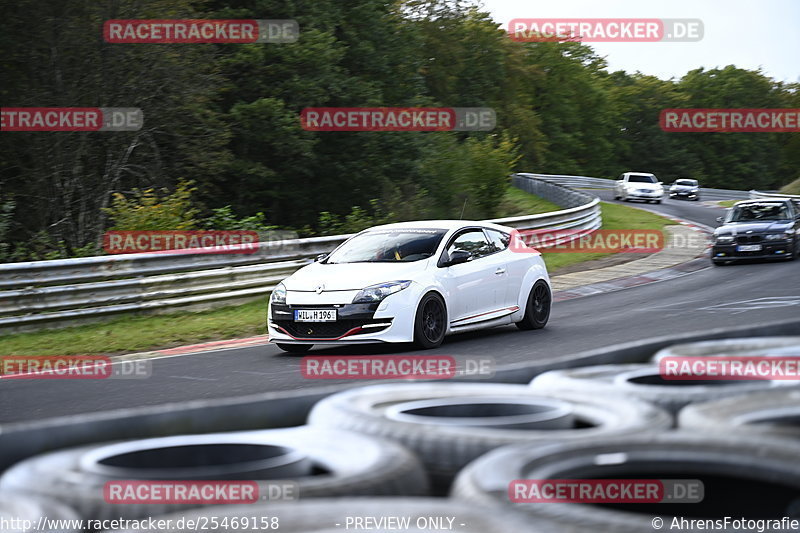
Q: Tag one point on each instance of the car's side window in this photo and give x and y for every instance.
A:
(499, 239)
(472, 241)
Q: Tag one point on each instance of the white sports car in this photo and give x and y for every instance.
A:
(412, 282)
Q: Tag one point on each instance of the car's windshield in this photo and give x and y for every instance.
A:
(688, 183)
(638, 178)
(389, 246)
(759, 212)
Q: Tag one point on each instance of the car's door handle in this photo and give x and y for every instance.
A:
(500, 271)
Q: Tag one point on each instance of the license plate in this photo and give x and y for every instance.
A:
(315, 315)
(748, 248)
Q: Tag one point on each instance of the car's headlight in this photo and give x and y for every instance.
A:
(777, 236)
(376, 293)
(722, 239)
(278, 294)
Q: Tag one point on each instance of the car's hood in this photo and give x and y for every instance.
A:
(740, 228)
(351, 276)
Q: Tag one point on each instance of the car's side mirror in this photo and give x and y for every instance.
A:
(458, 257)
(320, 258)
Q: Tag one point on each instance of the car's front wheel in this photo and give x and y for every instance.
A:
(430, 323)
(537, 309)
(294, 348)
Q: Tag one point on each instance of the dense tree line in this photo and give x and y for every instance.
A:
(225, 118)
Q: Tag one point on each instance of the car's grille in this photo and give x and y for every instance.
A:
(748, 239)
(327, 330)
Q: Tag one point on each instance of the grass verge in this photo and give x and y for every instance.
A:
(142, 333)
(792, 188)
(615, 216)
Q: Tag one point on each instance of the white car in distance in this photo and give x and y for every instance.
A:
(412, 282)
(638, 186)
(685, 188)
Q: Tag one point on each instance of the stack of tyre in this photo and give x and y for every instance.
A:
(442, 455)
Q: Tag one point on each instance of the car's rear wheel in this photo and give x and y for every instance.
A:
(430, 323)
(294, 348)
(537, 308)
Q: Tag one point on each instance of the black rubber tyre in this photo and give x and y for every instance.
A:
(537, 307)
(745, 477)
(430, 322)
(25, 507)
(658, 201)
(321, 462)
(294, 348)
(773, 412)
(772, 346)
(323, 515)
(719, 263)
(448, 425)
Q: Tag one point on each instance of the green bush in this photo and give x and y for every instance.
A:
(223, 218)
(148, 210)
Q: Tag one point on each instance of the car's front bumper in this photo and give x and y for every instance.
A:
(683, 194)
(390, 320)
(640, 195)
(769, 250)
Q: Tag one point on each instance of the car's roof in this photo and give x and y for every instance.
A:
(439, 224)
(640, 173)
(763, 201)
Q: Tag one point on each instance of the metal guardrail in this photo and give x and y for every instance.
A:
(586, 182)
(755, 195)
(52, 294)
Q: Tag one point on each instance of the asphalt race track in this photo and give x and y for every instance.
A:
(713, 297)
